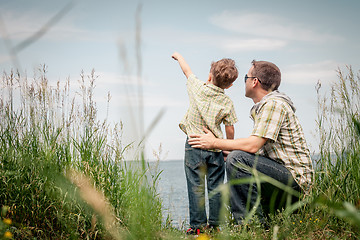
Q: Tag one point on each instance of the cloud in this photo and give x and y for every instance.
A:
(124, 91)
(228, 42)
(5, 58)
(112, 80)
(118, 79)
(268, 26)
(245, 32)
(324, 71)
(239, 44)
(21, 26)
(149, 100)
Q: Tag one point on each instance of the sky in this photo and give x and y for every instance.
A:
(129, 45)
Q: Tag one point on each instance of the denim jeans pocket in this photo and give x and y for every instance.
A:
(192, 157)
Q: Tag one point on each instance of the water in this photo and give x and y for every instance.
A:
(173, 191)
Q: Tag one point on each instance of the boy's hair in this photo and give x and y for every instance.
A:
(224, 72)
(268, 73)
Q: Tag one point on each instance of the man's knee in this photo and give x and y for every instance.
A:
(235, 160)
(237, 156)
(230, 161)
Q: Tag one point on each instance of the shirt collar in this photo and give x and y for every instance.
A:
(216, 88)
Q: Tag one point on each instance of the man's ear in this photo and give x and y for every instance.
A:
(255, 83)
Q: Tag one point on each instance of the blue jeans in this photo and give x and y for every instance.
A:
(201, 165)
(272, 198)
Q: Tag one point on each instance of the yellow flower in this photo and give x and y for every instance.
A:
(8, 234)
(7, 221)
(203, 237)
(293, 222)
(300, 221)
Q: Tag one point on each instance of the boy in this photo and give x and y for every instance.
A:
(209, 107)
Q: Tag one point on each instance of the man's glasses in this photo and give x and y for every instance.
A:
(246, 77)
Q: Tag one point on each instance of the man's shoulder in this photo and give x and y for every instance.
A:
(271, 102)
(276, 102)
(274, 105)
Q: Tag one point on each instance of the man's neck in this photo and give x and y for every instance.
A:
(260, 94)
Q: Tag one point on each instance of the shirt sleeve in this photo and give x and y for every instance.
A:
(193, 82)
(269, 120)
(230, 118)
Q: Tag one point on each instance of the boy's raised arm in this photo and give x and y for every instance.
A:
(184, 66)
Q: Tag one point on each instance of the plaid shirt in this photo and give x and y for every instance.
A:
(209, 107)
(274, 119)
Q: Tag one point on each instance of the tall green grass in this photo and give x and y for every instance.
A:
(338, 125)
(62, 171)
(337, 182)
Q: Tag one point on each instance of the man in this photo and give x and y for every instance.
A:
(276, 147)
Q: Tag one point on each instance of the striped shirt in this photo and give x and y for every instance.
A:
(209, 107)
(275, 119)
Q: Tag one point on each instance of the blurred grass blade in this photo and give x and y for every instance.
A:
(152, 125)
(350, 213)
(45, 28)
(357, 125)
(97, 201)
(139, 69)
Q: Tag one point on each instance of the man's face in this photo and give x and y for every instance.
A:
(248, 83)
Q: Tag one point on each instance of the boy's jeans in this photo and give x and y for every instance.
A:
(272, 198)
(198, 164)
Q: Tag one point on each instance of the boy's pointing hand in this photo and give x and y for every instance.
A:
(175, 55)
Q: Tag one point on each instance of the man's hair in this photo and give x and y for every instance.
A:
(224, 72)
(268, 74)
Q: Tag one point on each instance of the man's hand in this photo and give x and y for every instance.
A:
(250, 144)
(203, 141)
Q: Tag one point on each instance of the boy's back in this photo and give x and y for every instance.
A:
(209, 107)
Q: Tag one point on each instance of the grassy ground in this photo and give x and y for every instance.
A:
(63, 174)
